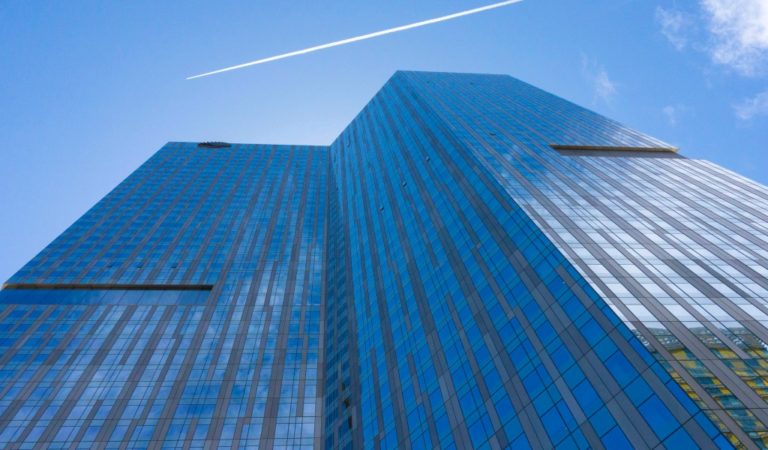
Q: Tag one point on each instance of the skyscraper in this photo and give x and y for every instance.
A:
(473, 263)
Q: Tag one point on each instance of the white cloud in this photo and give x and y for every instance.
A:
(675, 113)
(673, 25)
(671, 113)
(751, 107)
(739, 33)
(603, 88)
(733, 33)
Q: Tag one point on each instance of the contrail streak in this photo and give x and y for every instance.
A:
(360, 38)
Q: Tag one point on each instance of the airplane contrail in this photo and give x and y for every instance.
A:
(359, 38)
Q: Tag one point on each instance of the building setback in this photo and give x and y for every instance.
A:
(473, 263)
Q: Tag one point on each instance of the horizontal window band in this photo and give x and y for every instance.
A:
(613, 148)
(617, 152)
(106, 287)
(91, 295)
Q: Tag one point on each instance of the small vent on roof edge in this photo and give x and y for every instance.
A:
(214, 144)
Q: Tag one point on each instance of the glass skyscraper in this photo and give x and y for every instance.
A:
(473, 263)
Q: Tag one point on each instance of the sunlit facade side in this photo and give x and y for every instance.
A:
(677, 247)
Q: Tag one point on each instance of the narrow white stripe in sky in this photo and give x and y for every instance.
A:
(360, 38)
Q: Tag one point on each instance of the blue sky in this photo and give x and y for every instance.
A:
(89, 90)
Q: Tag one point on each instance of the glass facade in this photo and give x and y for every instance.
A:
(187, 311)
(678, 248)
(473, 263)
